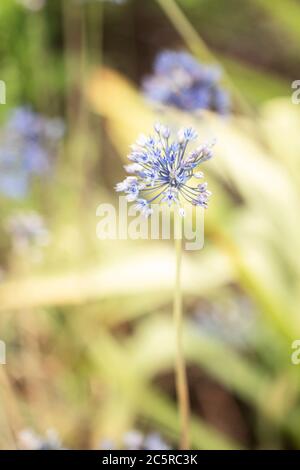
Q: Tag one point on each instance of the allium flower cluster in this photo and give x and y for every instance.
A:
(27, 143)
(162, 168)
(181, 81)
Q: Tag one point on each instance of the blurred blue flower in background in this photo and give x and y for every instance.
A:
(34, 5)
(27, 229)
(117, 2)
(27, 143)
(136, 440)
(181, 81)
(232, 321)
(131, 440)
(29, 440)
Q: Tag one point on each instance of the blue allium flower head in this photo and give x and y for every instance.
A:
(162, 169)
(27, 142)
(181, 81)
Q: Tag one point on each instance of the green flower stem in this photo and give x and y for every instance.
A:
(181, 376)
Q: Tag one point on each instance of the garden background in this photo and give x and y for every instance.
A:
(87, 322)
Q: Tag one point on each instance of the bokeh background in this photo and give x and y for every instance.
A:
(87, 322)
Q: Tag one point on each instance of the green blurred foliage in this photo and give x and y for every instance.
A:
(89, 337)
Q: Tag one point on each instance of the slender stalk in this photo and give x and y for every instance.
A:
(181, 376)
